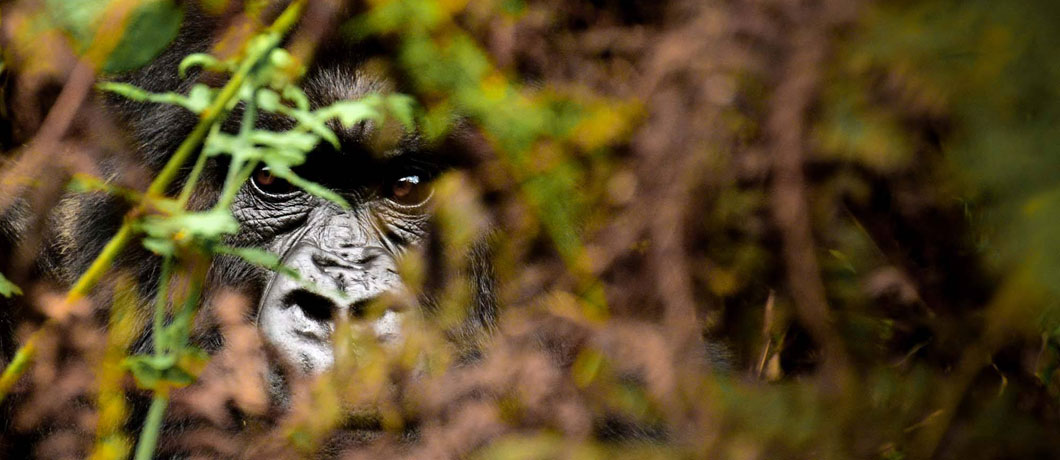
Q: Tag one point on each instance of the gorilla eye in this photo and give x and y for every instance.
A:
(269, 183)
(410, 190)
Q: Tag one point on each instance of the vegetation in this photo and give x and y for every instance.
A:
(849, 200)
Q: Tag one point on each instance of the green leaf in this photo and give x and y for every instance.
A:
(269, 100)
(297, 96)
(192, 361)
(208, 224)
(150, 29)
(205, 61)
(286, 157)
(280, 58)
(145, 370)
(124, 89)
(197, 100)
(402, 108)
(77, 17)
(218, 143)
(350, 113)
(255, 256)
(309, 121)
(7, 288)
(164, 234)
(175, 370)
(286, 140)
(160, 246)
(513, 7)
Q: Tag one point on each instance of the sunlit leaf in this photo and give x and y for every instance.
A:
(268, 100)
(201, 228)
(203, 60)
(173, 370)
(7, 288)
(197, 100)
(310, 121)
(297, 96)
(350, 113)
(402, 108)
(286, 140)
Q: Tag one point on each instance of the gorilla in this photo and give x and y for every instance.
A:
(351, 253)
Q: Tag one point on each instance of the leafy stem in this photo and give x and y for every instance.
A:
(145, 449)
(208, 118)
(160, 302)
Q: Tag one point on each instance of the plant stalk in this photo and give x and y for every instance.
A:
(160, 304)
(145, 449)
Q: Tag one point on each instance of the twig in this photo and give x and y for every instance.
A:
(767, 329)
(46, 142)
(786, 129)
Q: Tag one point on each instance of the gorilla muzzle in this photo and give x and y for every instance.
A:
(298, 318)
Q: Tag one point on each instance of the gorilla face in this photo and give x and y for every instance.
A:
(348, 255)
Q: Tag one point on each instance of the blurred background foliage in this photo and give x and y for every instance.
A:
(850, 202)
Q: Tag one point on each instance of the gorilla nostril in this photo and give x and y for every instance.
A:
(314, 306)
(359, 309)
(322, 309)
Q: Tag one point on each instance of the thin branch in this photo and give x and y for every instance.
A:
(790, 202)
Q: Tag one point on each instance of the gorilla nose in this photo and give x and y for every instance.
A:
(345, 281)
(299, 320)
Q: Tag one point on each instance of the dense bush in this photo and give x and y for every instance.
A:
(848, 201)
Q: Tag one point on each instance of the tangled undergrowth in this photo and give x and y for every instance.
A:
(743, 229)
